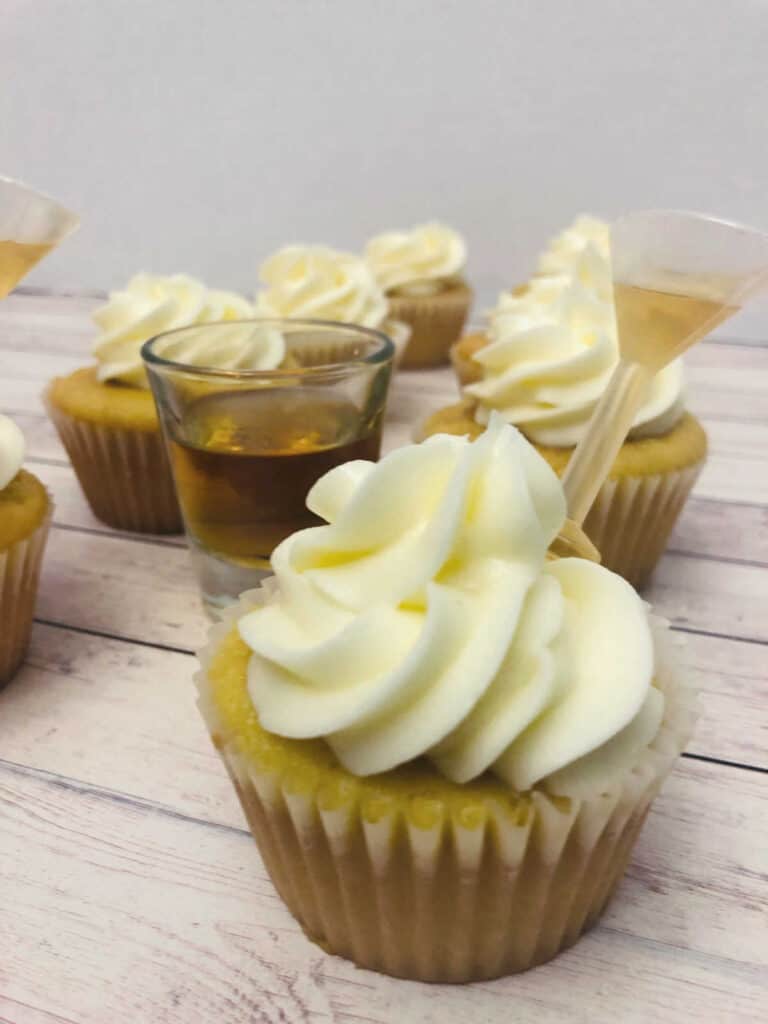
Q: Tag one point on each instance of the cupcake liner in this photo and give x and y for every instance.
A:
(436, 322)
(633, 516)
(327, 349)
(19, 576)
(432, 893)
(124, 473)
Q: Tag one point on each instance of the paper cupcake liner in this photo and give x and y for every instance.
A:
(462, 896)
(633, 516)
(436, 322)
(19, 577)
(124, 474)
(331, 349)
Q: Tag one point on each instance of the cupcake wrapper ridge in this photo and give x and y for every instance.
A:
(633, 517)
(436, 322)
(19, 577)
(124, 474)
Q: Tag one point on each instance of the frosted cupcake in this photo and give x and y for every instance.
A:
(548, 354)
(25, 516)
(421, 271)
(105, 413)
(445, 742)
(320, 283)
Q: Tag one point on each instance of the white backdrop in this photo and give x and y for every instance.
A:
(198, 135)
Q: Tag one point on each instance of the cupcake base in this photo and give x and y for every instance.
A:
(436, 321)
(636, 508)
(424, 879)
(124, 473)
(19, 577)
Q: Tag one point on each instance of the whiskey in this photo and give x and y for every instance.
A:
(244, 462)
(16, 260)
(655, 327)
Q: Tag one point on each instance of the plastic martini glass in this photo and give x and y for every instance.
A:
(676, 276)
(31, 226)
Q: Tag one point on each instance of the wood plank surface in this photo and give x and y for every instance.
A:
(131, 890)
(194, 930)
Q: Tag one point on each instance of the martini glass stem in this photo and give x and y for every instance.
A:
(611, 421)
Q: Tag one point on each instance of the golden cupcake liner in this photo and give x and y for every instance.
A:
(124, 473)
(633, 516)
(436, 322)
(422, 891)
(335, 349)
(19, 577)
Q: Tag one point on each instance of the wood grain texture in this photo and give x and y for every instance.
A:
(131, 891)
(138, 730)
(194, 930)
(143, 590)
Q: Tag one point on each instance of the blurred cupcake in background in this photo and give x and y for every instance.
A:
(25, 516)
(320, 283)
(105, 413)
(421, 272)
(546, 358)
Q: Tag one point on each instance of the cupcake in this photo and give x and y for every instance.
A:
(105, 413)
(421, 272)
(25, 516)
(320, 283)
(549, 352)
(445, 742)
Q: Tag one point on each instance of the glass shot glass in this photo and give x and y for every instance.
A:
(247, 445)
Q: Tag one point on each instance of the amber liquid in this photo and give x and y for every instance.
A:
(244, 462)
(16, 261)
(656, 327)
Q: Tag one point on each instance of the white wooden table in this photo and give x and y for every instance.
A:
(130, 889)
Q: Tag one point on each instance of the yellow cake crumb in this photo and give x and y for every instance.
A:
(24, 503)
(83, 396)
(310, 767)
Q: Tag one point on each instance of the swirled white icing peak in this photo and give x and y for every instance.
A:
(424, 621)
(149, 305)
(321, 283)
(419, 261)
(11, 450)
(553, 348)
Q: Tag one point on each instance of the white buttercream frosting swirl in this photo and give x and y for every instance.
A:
(425, 621)
(553, 348)
(419, 261)
(317, 282)
(151, 304)
(12, 449)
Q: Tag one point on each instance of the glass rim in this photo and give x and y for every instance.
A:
(37, 193)
(385, 351)
(698, 214)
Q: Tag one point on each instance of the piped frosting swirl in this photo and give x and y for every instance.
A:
(151, 304)
(553, 348)
(317, 282)
(424, 621)
(420, 261)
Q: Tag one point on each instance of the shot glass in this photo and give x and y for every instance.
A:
(246, 445)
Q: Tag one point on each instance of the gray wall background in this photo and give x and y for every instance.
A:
(199, 135)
